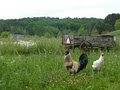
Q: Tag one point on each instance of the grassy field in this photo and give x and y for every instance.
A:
(41, 67)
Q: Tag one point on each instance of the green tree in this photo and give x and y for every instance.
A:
(117, 24)
(111, 18)
(100, 26)
(82, 31)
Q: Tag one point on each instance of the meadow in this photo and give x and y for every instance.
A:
(40, 66)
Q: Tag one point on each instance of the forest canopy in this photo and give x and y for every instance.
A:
(55, 27)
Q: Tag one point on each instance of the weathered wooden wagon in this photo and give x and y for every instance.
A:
(88, 42)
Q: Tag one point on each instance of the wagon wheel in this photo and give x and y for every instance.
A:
(86, 46)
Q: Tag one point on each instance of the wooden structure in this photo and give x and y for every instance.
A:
(86, 41)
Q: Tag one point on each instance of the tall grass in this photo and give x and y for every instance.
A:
(41, 67)
(42, 45)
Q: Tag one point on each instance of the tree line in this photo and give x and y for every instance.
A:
(55, 27)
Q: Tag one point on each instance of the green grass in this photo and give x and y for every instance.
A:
(41, 67)
(42, 45)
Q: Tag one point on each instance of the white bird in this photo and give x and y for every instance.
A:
(98, 63)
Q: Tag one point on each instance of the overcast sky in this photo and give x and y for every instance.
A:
(14, 9)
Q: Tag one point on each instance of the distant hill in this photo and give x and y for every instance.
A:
(47, 26)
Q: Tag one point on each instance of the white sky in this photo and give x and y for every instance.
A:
(14, 9)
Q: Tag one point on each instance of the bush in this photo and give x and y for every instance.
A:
(5, 34)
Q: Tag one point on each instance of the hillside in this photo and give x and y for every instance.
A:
(46, 26)
(116, 33)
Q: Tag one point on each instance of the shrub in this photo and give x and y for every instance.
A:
(5, 34)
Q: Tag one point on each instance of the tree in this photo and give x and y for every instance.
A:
(100, 26)
(82, 31)
(90, 28)
(117, 24)
(111, 18)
